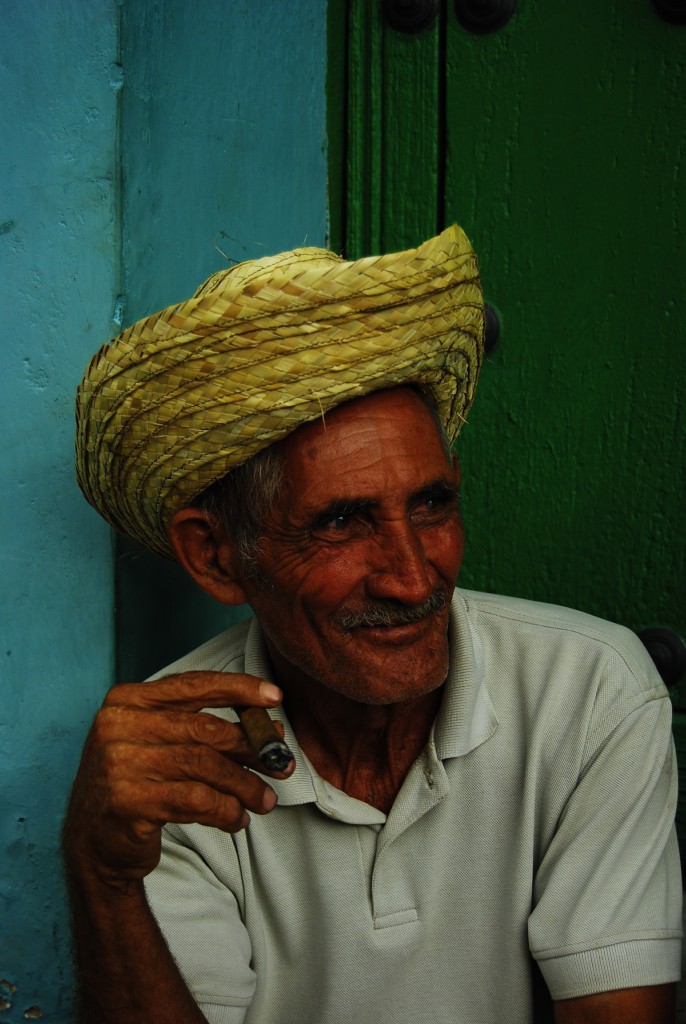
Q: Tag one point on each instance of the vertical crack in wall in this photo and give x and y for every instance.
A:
(119, 306)
(337, 127)
(442, 129)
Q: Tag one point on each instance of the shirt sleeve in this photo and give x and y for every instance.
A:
(607, 894)
(203, 929)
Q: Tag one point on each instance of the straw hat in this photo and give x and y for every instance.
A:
(184, 396)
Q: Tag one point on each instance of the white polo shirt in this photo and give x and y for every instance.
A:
(533, 839)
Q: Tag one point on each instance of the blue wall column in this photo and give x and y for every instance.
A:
(138, 139)
(59, 81)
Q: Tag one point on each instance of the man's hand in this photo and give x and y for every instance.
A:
(154, 756)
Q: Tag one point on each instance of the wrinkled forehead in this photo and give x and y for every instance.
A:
(366, 437)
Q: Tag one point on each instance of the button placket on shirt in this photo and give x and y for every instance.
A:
(393, 887)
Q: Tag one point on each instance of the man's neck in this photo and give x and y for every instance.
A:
(364, 750)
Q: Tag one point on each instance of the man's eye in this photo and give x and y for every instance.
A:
(436, 504)
(340, 525)
(341, 521)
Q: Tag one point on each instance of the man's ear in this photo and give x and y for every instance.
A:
(207, 553)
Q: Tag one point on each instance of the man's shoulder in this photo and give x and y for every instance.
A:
(548, 627)
(537, 613)
(223, 653)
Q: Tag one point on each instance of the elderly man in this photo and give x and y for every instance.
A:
(476, 824)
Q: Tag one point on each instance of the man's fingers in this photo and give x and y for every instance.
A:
(216, 794)
(196, 803)
(131, 768)
(152, 756)
(191, 691)
(115, 722)
(118, 723)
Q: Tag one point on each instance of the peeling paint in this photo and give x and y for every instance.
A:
(115, 76)
(7, 990)
(119, 310)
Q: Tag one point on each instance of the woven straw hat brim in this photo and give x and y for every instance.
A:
(184, 396)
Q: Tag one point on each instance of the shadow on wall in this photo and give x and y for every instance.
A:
(161, 613)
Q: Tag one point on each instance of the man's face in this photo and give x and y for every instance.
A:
(359, 560)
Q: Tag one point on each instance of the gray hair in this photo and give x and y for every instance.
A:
(242, 500)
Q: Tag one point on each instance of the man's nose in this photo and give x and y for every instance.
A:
(398, 568)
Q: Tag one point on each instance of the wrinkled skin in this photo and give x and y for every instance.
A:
(380, 531)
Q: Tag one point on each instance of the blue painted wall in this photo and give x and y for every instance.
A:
(137, 139)
(223, 144)
(58, 211)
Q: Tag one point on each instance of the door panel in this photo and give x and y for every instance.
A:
(394, 100)
(557, 142)
(565, 162)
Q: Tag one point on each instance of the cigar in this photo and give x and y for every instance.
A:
(264, 739)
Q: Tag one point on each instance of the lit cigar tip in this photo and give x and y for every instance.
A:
(276, 756)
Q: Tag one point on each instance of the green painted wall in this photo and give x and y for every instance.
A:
(565, 148)
(558, 143)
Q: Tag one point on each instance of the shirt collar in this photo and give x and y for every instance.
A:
(466, 717)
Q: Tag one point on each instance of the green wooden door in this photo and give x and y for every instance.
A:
(558, 143)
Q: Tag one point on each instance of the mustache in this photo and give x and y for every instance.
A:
(390, 612)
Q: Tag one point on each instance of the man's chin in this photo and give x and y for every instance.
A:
(402, 674)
